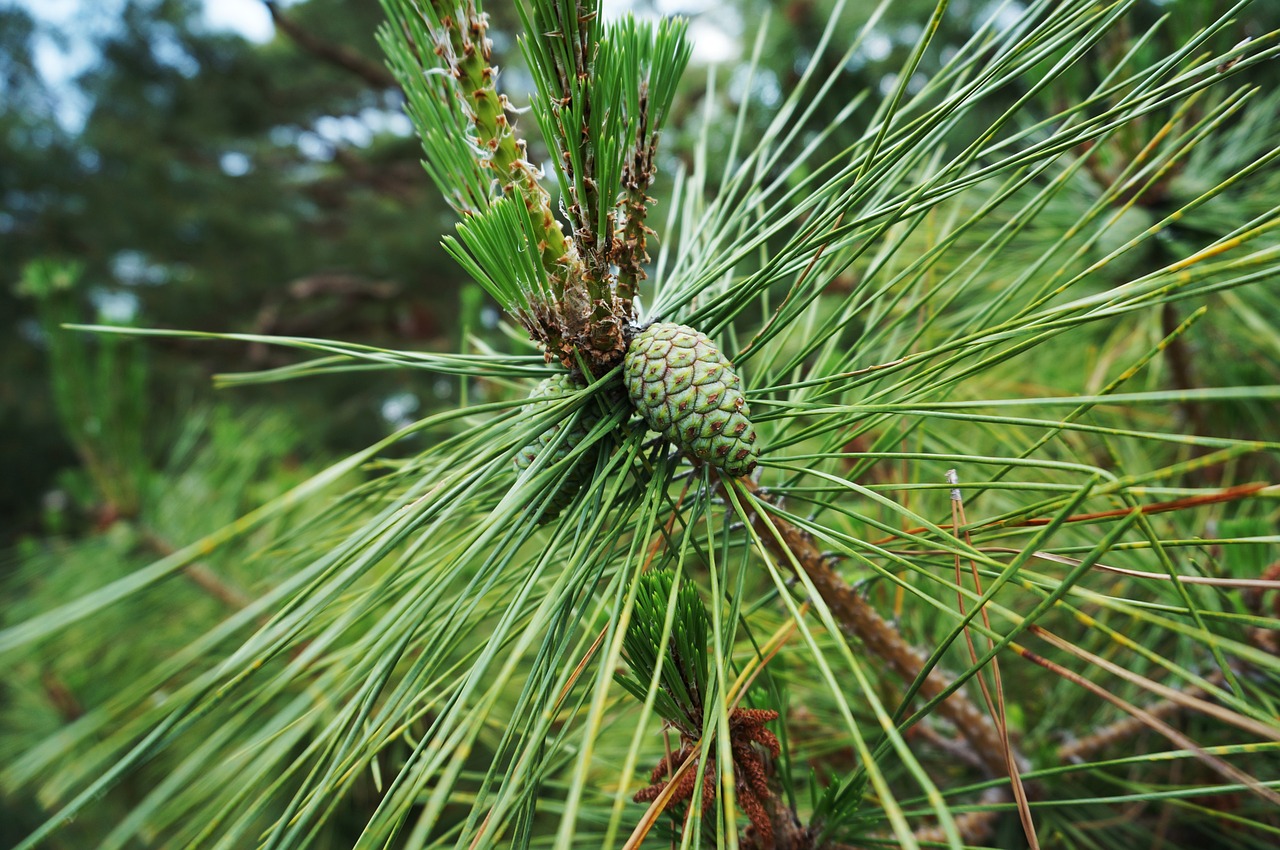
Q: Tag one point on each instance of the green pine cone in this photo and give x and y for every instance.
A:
(687, 390)
(559, 385)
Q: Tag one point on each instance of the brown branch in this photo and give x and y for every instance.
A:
(339, 55)
(398, 179)
(202, 576)
(58, 693)
(207, 580)
(956, 749)
(859, 620)
(789, 832)
(1126, 729)
(1268, 640)
(1153, 722)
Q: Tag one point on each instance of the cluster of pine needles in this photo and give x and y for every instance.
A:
(1003, 575)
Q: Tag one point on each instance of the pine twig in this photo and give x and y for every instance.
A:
(1268, 640)
(954, 748)
(564, 68)
(629, 250)
(1182, 374)
(568, 305)
(1126, 728)
(58, 693)
(202, 576)
(463, 46)
(1076, 752)
(1154, 723)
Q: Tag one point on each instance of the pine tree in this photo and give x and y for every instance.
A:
(982, 586)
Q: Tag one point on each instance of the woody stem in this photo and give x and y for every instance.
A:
(859, 620)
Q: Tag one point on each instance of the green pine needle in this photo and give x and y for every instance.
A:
(1005, 268)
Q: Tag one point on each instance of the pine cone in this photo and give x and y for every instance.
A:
(687, 390)
(557, 386)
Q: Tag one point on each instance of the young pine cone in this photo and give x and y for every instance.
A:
(557, 386)
(687, 390)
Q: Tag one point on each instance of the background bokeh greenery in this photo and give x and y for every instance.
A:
(219, 185)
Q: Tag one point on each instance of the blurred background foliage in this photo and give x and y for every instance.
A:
(206, 182)
(211, 183)
(214, 184)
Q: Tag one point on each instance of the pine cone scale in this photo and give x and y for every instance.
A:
(685, 389)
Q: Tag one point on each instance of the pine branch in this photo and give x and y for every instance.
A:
(562, 63)
(444, 59)
(462, 43)
(860, 621)
(973, 827)
(1125, 729)
(201, 575)
(629, 251)
(659, 57)
(580, 117)
(603, 94)
(1075, 752)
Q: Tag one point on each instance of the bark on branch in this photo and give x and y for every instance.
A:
(987, 746)
(859, 620)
